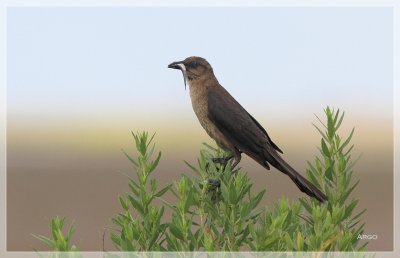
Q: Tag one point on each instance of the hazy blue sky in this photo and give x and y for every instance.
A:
(114, 60)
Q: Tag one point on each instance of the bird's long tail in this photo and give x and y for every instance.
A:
(303, 184)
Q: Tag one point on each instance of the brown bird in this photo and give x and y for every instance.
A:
(231, 126)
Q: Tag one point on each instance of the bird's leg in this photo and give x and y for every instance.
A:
(224, 160)
(237, 158)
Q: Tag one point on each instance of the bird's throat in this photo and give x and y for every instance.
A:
(184, 73)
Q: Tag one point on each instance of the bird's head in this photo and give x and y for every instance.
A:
(193, 68)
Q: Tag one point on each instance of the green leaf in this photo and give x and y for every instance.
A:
(313, 179)
(224, 191)
(71, 231)
(256, 200)
(172, 207)
(346, 142)
(359, 215)
(117, 221)
(349, 209)
(322, 133)
(347, 192)
(162, 191)
(115, 239)
(306, 205)
(340, 121)
(363, 248)
(210, 147)
(176, 231)
(312, 168)
(50, 243)
(349, 150)
(192, 167)
(123, 203)
(136, 205)
(322, 123)
(299, 241)
(130, 159)
(329, 172)
(232, 194)
(151, 139)
(189, 200)
(289, 242)
(135, 188)
(154, 163)
(331, 128)
(325, 149)
(336, 117)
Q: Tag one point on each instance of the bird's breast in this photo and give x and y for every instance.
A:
(200, 106)
(199, 97)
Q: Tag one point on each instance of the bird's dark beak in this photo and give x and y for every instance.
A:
(180, 66)
(176, 65)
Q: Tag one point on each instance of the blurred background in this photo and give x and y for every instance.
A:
(81, 79)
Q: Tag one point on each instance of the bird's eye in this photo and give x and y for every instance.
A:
(194, 64)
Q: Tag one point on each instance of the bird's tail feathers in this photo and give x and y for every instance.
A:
(303, 184)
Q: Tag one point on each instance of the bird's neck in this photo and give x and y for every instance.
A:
(199, 89)
(202, 84)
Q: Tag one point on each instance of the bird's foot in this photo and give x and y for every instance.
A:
(214, 183)
(214, 189)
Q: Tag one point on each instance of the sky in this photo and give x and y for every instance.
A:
(80, 79)
(96, 61)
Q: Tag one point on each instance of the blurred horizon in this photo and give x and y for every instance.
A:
(184, 134)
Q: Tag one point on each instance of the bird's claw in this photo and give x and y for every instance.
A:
(215, 183)
(214, 188)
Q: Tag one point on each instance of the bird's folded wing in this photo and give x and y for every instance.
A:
(266, 134)
(237, 125)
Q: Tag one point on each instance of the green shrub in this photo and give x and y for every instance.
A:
(58, 241)
(143, 229)
(216, 209)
